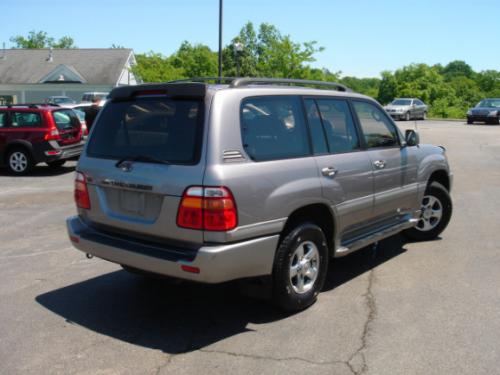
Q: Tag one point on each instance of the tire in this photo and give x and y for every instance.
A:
(304, 251)
(424, 116)
(56, 163)
(496, 121)
(470, 122)
(436, 214)
(19, 161)
(407, 116)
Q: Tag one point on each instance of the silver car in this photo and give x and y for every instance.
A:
(407, 109)
(251, 179)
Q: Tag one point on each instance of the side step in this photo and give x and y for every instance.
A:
(374, 237)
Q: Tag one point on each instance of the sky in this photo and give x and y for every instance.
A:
(361, 38)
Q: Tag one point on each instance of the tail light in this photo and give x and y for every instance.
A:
(82, 198)
(52, 134)
(207, 208)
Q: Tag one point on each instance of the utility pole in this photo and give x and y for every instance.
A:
(220, 39)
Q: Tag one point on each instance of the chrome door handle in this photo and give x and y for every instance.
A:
(329, 172)
(379, 164)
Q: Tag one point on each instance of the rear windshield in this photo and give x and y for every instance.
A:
(160, 128)
(65, 119)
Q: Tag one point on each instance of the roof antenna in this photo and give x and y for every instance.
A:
(50, 58)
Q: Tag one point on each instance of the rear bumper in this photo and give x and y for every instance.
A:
(216, 263)
(63, 153)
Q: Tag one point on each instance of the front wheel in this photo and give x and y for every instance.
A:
(300, 267)
(407, 116)
(436, 209)
(424, 116)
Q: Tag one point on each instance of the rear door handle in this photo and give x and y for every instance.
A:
(329, 172)
(379, 164)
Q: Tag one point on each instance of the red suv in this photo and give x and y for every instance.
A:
(32, 134)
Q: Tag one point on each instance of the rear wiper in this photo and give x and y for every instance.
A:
(141, 158)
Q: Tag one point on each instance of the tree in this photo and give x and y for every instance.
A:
(268, 53)
(457, 68)
(40, 39)
(154, 67)
(195, 60)
(388, 88)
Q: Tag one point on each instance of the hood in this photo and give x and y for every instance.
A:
(390, 106)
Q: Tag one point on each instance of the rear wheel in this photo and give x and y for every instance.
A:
(300, 267)
(19, 161)
(56, 163)
(436, 209)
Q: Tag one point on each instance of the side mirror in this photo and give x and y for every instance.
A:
(412, 138)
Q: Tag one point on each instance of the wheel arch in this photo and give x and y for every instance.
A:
(317, 213)
(440, 176)
(17, 144)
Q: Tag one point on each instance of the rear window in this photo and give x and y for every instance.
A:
(65, 119)
(160, 128)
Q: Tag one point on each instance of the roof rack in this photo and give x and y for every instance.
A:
(30, 105)
(246, 81)
(241, 82)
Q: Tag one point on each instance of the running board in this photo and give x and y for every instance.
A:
(374, 237)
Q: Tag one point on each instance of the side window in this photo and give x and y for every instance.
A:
(377, 129)
(3, 119)
(26, 119)
(339, 125)
(273, 128)
(316, 127)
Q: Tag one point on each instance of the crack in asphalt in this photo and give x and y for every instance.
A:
(372, 312)
(254, 356)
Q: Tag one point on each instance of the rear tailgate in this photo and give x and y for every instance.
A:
(68, 125)
(136, 198)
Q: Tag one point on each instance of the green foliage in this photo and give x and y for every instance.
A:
(40, 39)
(450, 91)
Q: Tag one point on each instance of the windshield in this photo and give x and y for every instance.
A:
(401, 102)
(63, 100)
(156, 128)
(489, 103)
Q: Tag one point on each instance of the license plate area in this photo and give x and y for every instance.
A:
(132, 202)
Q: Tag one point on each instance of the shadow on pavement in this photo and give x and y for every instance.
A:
(180, 318)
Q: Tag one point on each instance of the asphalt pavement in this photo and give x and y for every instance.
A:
(403, 308)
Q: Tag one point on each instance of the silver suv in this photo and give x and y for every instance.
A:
(258, 177)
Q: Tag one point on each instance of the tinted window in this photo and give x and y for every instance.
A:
(418, 102)
(26, 119)
(401, 102)
(378, 130)
(339, 126)
(65, 119)
(159, 128)
(3, 119)
(316, 127)
(273, 128)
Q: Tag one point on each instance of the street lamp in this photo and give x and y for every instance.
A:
(237, 47)
(220, 39)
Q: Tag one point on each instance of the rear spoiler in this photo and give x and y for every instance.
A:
(171, 90)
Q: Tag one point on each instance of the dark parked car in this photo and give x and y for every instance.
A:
(32, 134)
(487, 110)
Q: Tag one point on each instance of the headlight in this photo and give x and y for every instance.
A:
(493, 113)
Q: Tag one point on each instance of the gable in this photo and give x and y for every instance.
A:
(63, 74)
